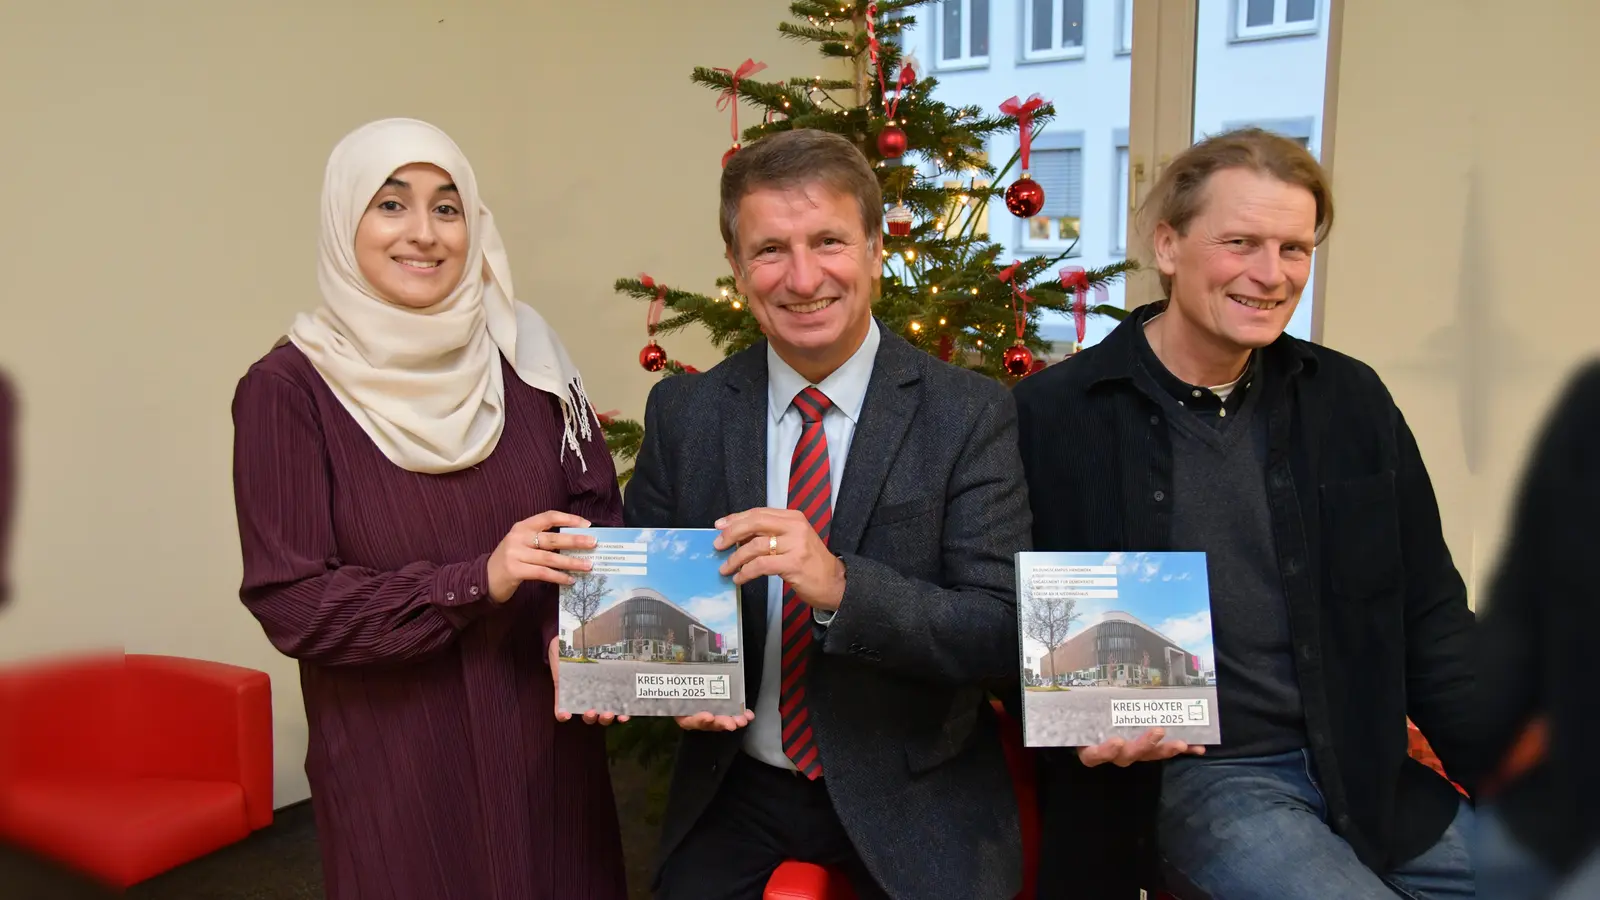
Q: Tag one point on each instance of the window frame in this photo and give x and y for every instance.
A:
(1280, 28)
(966, 60)
(1122, 45)
(1121, 201)
(1056, 52)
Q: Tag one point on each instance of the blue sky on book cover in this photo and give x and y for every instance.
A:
(682, 566)
(1166, 591)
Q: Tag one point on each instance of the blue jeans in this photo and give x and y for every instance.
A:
(1247, 828)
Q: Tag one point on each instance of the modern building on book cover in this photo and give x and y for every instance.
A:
(1121, 650)
(652, 628)
(645, 624)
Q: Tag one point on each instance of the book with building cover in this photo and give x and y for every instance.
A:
(1114, 644)
(653, 629)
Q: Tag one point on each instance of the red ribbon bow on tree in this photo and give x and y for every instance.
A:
(731, 95)
(908, 72)
(1023, 110)
(653, 316)
(1076, 279)
(1009, 274)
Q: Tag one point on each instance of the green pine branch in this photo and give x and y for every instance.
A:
(813, 33)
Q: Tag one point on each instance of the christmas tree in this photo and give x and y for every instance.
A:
(944, 287)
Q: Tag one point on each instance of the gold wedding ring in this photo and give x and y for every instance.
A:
(772, 545)
(536, 537)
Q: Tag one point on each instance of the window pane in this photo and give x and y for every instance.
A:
(1072, 23)
(980, 28)
(1302, 10)
(1060, 173)
(952, 29)
(1040, 26)
(1258, 12)
(1127, 25)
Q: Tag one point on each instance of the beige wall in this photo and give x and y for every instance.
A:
(162, 163)
(1464, 141)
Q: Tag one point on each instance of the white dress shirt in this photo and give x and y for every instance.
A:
(846, 389)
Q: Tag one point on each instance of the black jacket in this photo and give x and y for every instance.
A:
(1536, 646)
(930, 513)
(1380, 623)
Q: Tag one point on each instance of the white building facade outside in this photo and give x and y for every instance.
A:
(1257, 62)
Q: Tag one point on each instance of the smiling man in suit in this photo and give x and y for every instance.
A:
(875, 497)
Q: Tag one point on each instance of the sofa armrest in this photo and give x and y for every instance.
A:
(202, 720)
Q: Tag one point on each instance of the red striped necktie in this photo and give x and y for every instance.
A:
(811, 492)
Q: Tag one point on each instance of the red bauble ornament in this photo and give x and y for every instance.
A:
(1025, 197)
(652, 357)
(729, 155)
(892, 142)
(1017, 359)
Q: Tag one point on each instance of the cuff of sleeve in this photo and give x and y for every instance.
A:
(461, 590)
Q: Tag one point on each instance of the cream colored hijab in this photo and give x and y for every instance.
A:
(425, 384)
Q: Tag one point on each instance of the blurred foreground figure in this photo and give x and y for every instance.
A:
(1540, 837)
(8, 479)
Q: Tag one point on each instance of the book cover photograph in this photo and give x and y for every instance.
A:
(1114, 644)
(652, 629)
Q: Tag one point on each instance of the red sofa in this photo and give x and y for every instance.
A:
(795, 880)
(124, 766)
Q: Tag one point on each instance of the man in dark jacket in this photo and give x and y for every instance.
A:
(1336, 610)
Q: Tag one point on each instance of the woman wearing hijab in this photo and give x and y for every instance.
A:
(402, 466)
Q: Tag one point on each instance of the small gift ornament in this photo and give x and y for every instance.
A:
(899, 220)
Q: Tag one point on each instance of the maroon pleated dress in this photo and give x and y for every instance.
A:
(437, 768)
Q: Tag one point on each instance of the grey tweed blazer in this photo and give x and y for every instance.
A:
(931, 508)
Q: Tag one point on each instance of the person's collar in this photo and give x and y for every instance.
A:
(846, 388)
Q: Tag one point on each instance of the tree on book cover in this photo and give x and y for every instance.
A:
(945, 287)
(583, 601)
